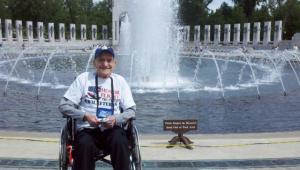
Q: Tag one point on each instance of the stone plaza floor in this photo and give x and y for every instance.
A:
(32, 150)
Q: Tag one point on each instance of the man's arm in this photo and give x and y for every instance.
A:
(70, 109)
(126, 115)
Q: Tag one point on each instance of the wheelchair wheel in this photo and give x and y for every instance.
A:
(62, 157)
(136, 160)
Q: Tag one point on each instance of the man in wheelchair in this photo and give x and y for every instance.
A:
(95, 100)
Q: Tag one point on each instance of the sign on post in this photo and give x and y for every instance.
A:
(180, 127)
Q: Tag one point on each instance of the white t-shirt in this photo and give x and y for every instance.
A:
(83, 93)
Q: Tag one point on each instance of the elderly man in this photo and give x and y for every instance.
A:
(95, 100)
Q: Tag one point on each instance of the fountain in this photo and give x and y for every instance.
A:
(217, 85)
(208, 75)
(156, 50)
(125, 36)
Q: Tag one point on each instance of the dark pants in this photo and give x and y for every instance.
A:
(88, 142)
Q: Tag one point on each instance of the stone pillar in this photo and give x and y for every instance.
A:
(184, 33)
(117, 9)
(187, 33)
(206, 34)
(29, 28)
(295, 42)
(51, 35)
(217, 34)
(236, 34)
(83, 32)
(278, 32)
(267, 32)
(19, 31)
(94, 32)
(256, 33)
(72, 32)
(105, 32)
(227, 32)
(62, 36)
(197, 30)
(115, 32)
(40, 31)
(246, 33)
(8, 30)
(0, 31)
(180, 34)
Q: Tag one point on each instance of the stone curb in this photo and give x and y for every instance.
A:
(247, 163)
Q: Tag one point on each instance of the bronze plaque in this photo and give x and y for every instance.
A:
(180, 125)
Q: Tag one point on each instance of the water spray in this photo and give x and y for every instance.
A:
(283, 88)
(44, 71)
(218, 70)
(252, 71)
(92, 54)
(13, 68)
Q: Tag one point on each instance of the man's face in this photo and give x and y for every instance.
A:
(104, 64)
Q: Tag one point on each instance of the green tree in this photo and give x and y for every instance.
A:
(261, 15)
(225, 9)
(72, 8)
(248, 5)
(289, 13)
(4, 11)
(227, 15)
(36, 10)
(193, 12)
(84, 11)
(102, 14)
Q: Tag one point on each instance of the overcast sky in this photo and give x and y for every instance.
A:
(217, 3)
(214, 5)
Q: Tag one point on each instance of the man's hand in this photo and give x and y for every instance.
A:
(92, 119)
(110, 123)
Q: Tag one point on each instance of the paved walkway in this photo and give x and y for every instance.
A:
(30, 150)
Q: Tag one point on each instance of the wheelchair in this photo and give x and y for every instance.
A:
(67, 137)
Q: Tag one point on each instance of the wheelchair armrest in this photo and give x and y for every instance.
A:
(71, 125)
(129, 123)
(66, 116)
(133, 118)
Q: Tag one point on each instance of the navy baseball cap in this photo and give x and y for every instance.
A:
(99, 51)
